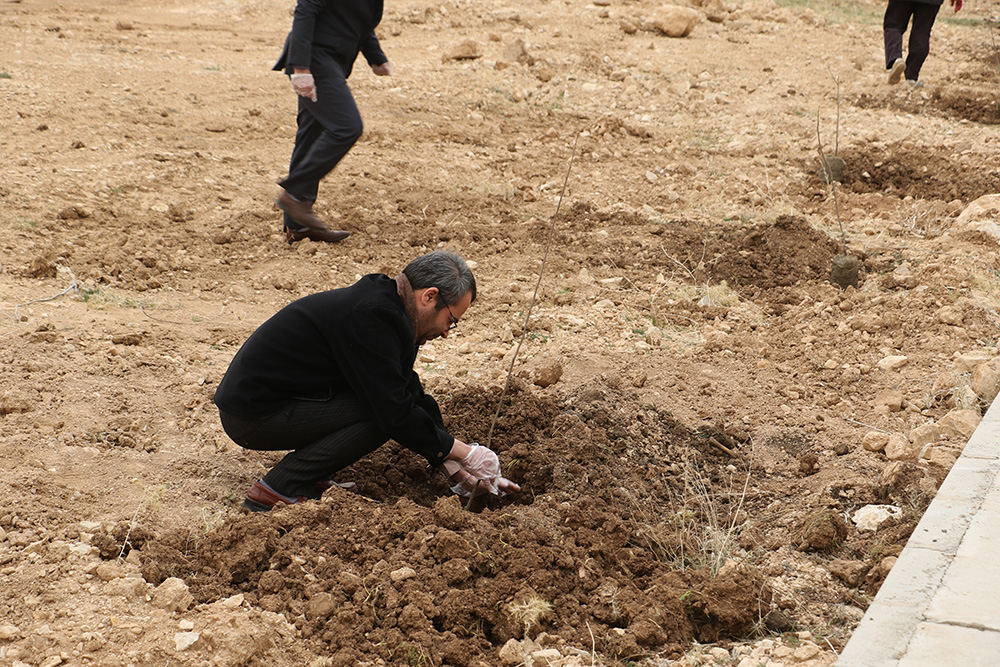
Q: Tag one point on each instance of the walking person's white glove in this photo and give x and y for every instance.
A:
(304, 85)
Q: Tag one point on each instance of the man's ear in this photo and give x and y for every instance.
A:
(430, 295)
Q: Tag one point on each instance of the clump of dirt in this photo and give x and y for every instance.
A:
(397, 566)
(902, 171)
(957, 102)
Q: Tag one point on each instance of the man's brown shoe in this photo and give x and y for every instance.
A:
(328, 235)
(299, 211)
(262, 498)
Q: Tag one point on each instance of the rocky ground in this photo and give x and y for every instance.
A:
(695, 412)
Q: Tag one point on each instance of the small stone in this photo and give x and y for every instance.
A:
(674, 21)
(892, 363)
(546, 657)
(172, 595)
(875, 441)
(851, 572)
(899, 448)
(402, 574)
(548, 374)
(924, 435)
(805, 652)
(8, 632)
(512, 654)
(109, 570)
(870, 517)
(467, 50)
(891, 398)
(949, 315)
(965, 363)
(959, 423)
(185, 640)
(985, 380)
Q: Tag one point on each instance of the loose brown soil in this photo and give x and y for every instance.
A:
(688, 397)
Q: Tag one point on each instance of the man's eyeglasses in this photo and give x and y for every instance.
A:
(451, 316)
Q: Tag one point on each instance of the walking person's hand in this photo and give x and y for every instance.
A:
(385, 69)
(304, 85)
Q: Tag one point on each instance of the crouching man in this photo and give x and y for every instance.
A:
(330, 377)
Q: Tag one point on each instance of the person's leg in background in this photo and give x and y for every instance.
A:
(920, 38)
(897, 17)
(327, 130)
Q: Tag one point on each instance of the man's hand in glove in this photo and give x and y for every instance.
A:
(304, 84)
(478, 471)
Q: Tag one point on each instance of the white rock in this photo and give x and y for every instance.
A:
(402, 574)
(965, 363)
(512, 654)
(924, 435)
(172, 595)
(546, 657)
(899, 448)
(982, 215)
(985, 380)
(870, 517)
(675, 21)
(233, 601)
(892, 363)
(8, 632)
(185, 640)
(875, 441)
(949, 315)
(109, 570)
(959, 423)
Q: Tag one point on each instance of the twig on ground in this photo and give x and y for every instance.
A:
(718, 445)
(875, 428)
(207, 319)
(72, 288)
(534, 295)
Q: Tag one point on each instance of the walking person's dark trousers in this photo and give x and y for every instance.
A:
(897, 16)
(324, 436)
(327, 129)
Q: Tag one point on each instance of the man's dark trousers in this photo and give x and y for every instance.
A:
(327, 129)
(897, 16)
(324, 436)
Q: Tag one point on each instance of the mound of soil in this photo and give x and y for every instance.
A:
(380, 570)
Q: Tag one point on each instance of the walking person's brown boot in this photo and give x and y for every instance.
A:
(328, 235)
(299, 211)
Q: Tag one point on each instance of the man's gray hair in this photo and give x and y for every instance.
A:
(444, 270)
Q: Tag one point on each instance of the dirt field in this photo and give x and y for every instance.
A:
(696, 412)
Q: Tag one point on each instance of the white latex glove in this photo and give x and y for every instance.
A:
(483, 464)
(304, 85)
(478, 472)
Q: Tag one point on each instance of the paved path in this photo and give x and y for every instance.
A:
(940, 604)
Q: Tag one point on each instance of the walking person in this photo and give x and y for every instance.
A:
(897, 16)
(319, 54)
(330, 377)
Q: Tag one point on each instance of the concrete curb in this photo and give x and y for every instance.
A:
(940, 604)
